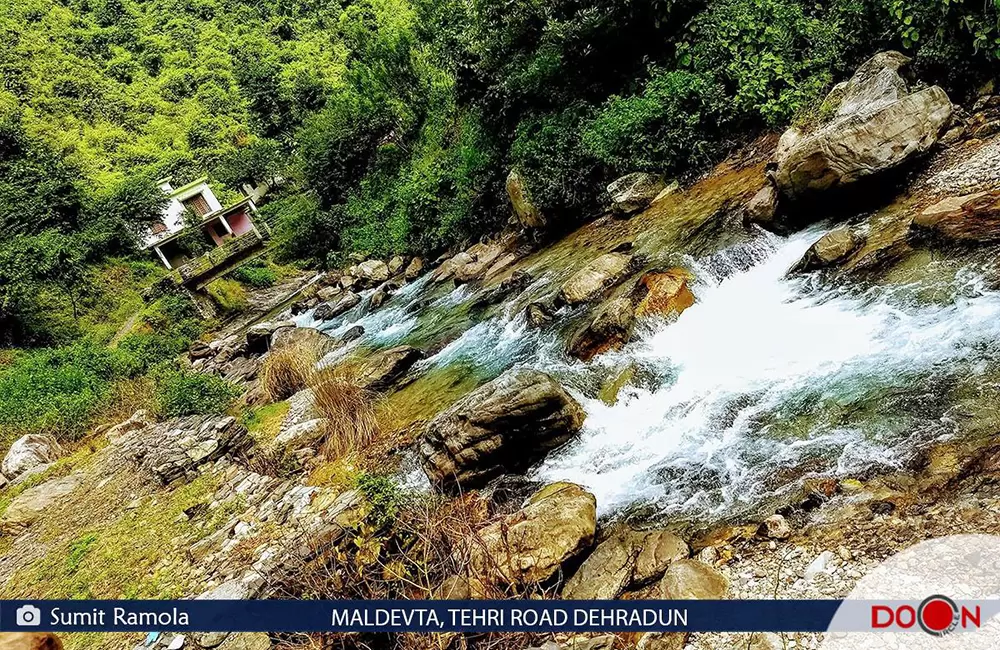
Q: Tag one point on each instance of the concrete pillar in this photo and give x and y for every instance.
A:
(163, 258)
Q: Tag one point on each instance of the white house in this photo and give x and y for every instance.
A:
(219, 224)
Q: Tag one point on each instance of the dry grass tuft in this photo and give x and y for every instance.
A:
(287, 370)
(349, 409)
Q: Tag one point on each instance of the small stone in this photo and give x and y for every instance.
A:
(819, 565)
(776, 527)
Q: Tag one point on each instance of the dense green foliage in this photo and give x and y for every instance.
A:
(257, 275)
(442, 98)
(183, 392)
(395, 122)
(64, 390)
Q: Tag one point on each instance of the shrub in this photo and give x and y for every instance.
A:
(228, 295)
(54, 391)
(383, 496)
(256, 276)
(772, 56)
(673, 123)
(302, 231)
(183, 392)
(562, 176)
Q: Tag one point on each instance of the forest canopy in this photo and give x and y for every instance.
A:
(394, 123)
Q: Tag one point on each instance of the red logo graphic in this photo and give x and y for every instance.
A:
(937, 615)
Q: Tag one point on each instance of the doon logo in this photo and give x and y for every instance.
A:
(937, 615)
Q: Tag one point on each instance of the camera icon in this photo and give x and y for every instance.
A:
(28, 616)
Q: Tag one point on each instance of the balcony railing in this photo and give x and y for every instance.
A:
(217, 257)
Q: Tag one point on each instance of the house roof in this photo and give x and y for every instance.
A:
(206, 218)
(190, 186)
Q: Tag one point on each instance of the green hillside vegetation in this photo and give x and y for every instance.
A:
(393, 124)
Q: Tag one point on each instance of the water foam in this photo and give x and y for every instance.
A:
(756, 348)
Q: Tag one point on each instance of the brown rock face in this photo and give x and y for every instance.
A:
(556, 524)
(504, 426)
(384, 369)
(595, 278)
(879, 125)
(414, 269)
(627, 559)
(667, 292)
(610, 329)
(970, 218)
(528, 215)
(693, 580)
(831, 249)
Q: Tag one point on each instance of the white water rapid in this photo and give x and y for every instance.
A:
(764, 381)
(759, 350)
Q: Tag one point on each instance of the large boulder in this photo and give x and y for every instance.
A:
(306, 338)
(528, 215)
(664, 292)
(627, 559)
(29, 506)
(29, 452)
(693, 580)
(831, 249)
(504, 426)
(633, 192)
(414, 269)
(383, 369)
(258, 336)
(372, 272)
(970, 218)
(878, 125)
(596, 277)
(763, 207)
(609, 329)
(556, 524)
(330, 310)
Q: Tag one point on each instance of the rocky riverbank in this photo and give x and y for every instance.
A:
(447, 428)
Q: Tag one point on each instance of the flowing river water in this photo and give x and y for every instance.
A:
(767, 380)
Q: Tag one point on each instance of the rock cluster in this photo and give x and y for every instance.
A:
(175, 449)
(594, 279)
(628, 559)
(662, 293)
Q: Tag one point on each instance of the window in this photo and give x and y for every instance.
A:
(197, 204)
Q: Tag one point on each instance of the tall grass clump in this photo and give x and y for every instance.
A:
(286, 370)
(349, 409)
